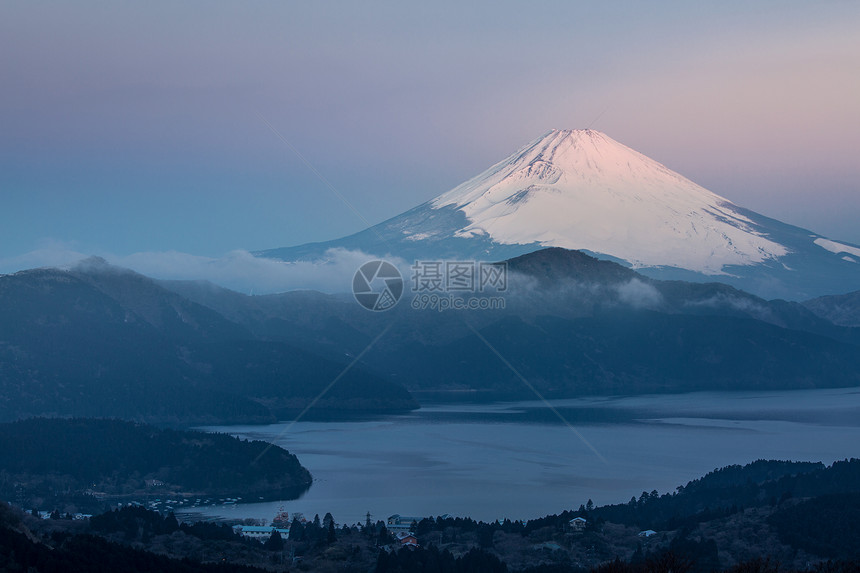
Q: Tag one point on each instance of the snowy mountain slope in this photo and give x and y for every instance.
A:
(582, 190)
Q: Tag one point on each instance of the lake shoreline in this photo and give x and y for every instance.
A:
(521, 460)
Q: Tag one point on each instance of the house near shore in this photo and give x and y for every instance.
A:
(399, 522)
(647, 533)
(577, 523)
(260, 532)
(407, 540)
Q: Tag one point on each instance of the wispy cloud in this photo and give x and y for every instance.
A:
(639, 294)
(49, 253)
(237, 270)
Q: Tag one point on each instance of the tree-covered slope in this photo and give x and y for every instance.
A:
(100, 341)
(49, 457)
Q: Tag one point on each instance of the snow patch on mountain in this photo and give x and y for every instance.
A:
(837, 248)
(417, 236)
(580, 189)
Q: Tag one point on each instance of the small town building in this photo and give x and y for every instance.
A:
(399, 522)
(577, 523)
(260, 532)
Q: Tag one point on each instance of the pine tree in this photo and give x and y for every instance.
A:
(296, 530)
(275, 542)
(170, 523)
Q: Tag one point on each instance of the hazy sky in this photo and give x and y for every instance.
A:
(141, 127)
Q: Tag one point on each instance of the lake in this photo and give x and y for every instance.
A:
(528, 459)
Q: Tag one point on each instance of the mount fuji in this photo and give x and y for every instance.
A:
(582, 190)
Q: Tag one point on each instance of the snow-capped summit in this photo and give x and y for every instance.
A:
(580, 189)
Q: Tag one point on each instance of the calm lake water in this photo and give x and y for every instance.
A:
(520, 460)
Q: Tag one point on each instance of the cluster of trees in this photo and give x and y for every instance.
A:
(729, 490)
(693, 555)
(451, 527)
(431, 560)
(139, 523)
(315, 532)
(51, 456)
(828, 525)
(92, 554)
(668, 562)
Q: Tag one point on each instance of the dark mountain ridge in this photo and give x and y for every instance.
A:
(100, 341)
(572, 324)
(52, 461)
(843, 310)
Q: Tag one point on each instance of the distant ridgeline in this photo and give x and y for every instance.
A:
(572, 325)
(102, 341)
(85, 461)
